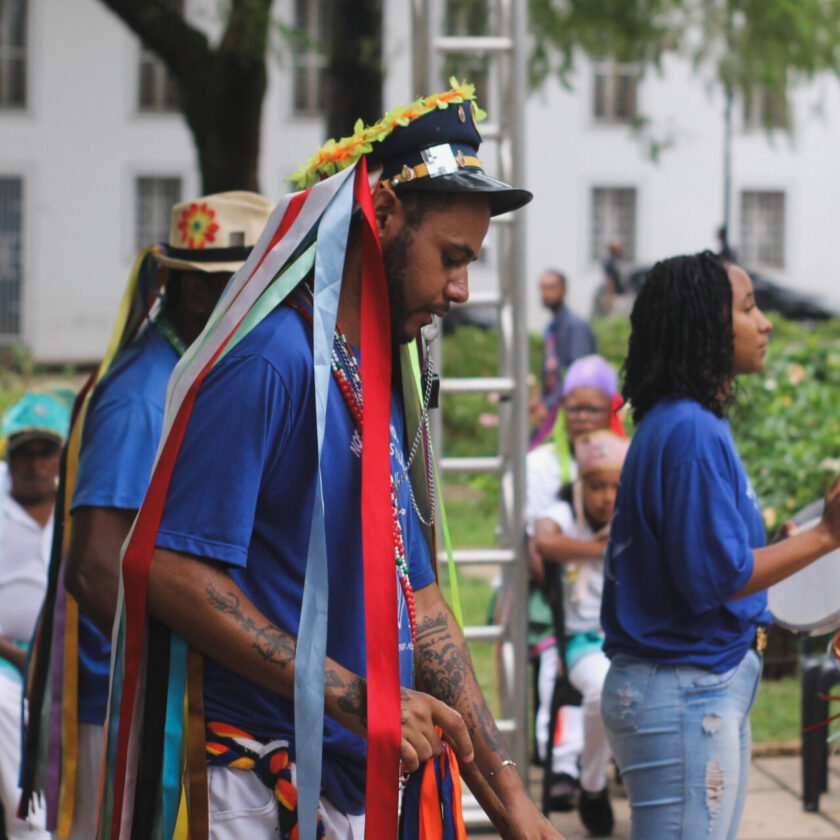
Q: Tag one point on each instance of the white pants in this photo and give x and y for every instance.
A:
(86, 804)
(33, 827)
(568, 735)
(587, 676)
(241, 806)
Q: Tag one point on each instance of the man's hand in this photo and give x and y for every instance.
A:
(527, 823)
(421, 716)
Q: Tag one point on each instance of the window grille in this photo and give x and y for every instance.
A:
(157, 91)
(11, 258)
(308, 78)
(13, 38)
(613, 215)
(153, 200)
(614, 91)
(762, 228)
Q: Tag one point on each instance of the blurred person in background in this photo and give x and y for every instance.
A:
(33, 430)
(566, 337)
(589, 397)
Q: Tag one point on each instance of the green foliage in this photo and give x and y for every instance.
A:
(786, 422)
(752, 45)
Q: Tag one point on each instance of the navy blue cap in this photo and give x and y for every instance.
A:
(438, 152)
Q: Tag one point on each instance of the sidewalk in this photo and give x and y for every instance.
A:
(773, 810)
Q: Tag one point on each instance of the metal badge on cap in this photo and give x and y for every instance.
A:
(439, 160)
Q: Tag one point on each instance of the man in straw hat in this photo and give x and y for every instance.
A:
(115, 444)
(294, 557)
(33, 431)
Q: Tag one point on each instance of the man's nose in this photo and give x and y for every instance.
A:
(458, 288)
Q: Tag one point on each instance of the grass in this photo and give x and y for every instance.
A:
(775, 715)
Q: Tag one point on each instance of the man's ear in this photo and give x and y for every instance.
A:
(388, 210)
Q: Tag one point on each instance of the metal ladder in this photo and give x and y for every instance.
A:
(503, 48)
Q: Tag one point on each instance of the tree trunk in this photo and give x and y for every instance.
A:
(223, 108)
(354, 65)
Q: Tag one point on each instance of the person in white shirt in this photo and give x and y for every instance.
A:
(33, 430)
(574, 532)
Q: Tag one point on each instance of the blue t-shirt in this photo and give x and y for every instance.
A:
(122, 431)
(241, 494)
(681, 544)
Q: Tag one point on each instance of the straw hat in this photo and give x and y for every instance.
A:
(215, 233)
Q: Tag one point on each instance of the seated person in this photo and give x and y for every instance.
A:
(34, 429)
(574, 532)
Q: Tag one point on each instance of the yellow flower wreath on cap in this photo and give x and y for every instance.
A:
(336, 155)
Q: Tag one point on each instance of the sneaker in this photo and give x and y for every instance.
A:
(596, 812)
(562, 793)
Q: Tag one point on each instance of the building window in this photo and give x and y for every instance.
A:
(613, 215)
(157, 91)
(766, 109)
(614, 91)
(11, 262)
(762, 228)
(153, 200)
(13, 54)
(309, 77)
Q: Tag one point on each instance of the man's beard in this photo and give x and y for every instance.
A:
(395, 262)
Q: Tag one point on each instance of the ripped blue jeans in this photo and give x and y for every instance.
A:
(681, 737)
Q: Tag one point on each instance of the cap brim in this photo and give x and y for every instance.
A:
(20, 438)
(503, 197)
(204, 267)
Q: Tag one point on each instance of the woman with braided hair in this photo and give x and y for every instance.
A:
(684, 607)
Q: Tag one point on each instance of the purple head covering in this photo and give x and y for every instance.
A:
(591, 372)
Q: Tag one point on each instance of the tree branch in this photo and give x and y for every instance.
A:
(164, 30)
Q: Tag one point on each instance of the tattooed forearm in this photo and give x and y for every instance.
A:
(352, 694)
(444, 670)
(443, 666)
(480, 723)
(354, 700)
(429, 627)
(271, 642)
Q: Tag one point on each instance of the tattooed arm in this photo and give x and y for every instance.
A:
(444, 669)
(199, 600)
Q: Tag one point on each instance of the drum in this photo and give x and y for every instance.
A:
(809, 601)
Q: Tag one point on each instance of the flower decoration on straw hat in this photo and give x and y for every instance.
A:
(197, 225)
(336, 155)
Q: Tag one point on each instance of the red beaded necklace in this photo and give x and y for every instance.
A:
(347, 376)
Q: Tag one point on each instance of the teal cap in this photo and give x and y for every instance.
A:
(35, 416)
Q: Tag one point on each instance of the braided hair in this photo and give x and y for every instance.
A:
(681, 339)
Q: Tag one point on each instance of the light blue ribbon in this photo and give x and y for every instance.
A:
(310, 657)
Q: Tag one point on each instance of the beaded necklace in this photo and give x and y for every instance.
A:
(168, 332)
(347, 376)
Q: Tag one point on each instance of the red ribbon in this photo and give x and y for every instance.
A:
(383, 676)
(138, 556)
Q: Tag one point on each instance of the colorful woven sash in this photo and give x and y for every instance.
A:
(228, 746)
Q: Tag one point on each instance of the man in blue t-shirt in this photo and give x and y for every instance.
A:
(229, 567)
(208, 241)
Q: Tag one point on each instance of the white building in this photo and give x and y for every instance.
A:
(92, 154)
